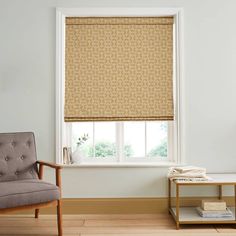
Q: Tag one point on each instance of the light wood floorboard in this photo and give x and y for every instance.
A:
(106, 225)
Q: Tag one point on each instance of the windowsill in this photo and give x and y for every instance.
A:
(128, 164)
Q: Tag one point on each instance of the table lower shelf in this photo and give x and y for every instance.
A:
(189, 215)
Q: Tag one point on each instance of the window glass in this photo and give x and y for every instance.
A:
(105, 139)
(82, 137)
(157, 139)
(134, 139)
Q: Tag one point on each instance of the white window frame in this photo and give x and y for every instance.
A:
(176, 132)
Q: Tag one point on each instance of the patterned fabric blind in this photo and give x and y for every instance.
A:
(119, 68)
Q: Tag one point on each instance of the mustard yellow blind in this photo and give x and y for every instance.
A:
(119, 68)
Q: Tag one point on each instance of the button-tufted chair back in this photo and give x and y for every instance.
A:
(17, 156)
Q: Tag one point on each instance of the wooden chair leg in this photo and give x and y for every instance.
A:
(59, 218)
(36, 213)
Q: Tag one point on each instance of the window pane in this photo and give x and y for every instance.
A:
(134, 139)
(82, 138)
(157, 139)
(105, 139)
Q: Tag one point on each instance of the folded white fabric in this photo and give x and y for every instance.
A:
(192, 169)
(187, 172)
(191, 179)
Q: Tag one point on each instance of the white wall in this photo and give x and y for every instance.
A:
(27, 90)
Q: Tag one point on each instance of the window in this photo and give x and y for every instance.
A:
(121, 142)
(118, 142)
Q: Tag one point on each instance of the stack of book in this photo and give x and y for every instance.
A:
(67, 158)
(214, 209)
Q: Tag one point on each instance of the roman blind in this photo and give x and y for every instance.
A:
(118, 68)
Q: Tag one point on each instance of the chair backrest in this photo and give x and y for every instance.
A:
(17, 156)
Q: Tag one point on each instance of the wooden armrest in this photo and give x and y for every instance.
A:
(52, 165)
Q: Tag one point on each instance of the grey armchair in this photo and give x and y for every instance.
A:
(21, 184)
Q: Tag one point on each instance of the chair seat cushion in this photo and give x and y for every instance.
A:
(27, 192)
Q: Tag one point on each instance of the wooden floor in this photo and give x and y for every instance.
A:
(107, 225)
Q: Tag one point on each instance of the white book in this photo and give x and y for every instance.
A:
(67, 155)
(213, 205)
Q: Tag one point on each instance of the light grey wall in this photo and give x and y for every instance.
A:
(27, 90)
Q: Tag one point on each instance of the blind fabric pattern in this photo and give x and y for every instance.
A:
(119, 69)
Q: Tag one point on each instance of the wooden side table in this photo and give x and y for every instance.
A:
(189, 215)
